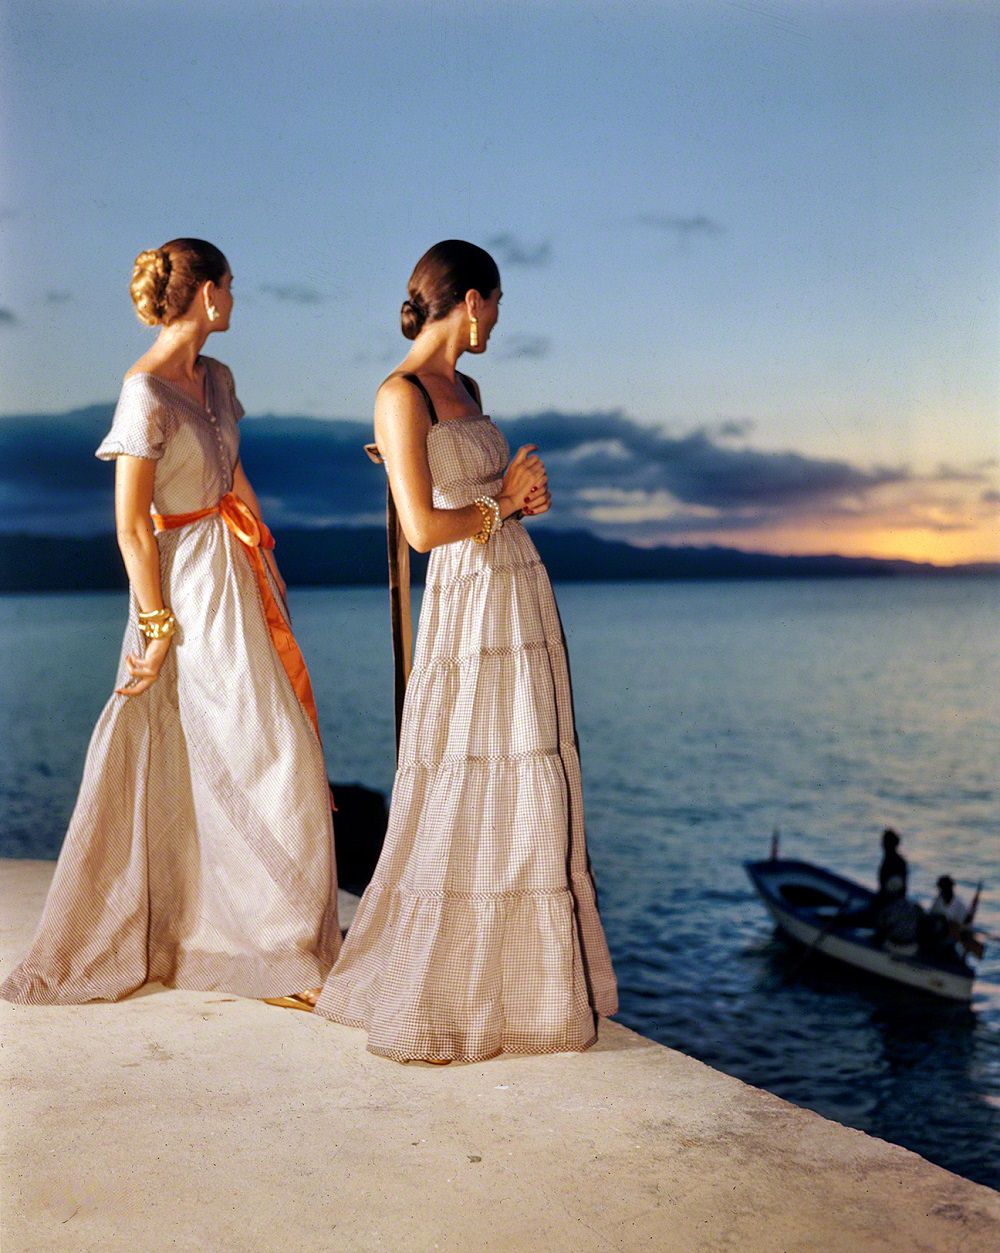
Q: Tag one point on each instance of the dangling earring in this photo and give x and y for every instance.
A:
(213, 313)
(473, 332)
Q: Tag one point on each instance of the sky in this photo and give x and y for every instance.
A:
(750, 250)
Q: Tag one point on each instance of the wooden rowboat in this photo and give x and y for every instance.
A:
(814, 907)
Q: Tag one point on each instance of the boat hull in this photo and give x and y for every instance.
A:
(814, 925)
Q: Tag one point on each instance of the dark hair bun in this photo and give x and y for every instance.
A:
(411, 318)
(440, 280)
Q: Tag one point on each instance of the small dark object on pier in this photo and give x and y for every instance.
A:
(359, 831)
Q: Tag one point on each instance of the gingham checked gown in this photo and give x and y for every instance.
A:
(199, 853)
(479, 933)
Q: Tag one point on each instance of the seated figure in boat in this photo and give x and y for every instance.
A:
(948, 919)
(948, 905)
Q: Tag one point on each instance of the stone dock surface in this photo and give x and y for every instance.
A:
(200, 1121)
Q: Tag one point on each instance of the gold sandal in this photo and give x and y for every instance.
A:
(306, 1001)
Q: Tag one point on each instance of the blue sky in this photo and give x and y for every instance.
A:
(768, 226)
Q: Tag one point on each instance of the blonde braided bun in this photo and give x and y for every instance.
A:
(150, 276)
(165, 279)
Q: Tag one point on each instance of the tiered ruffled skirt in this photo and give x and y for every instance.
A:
(479, 933)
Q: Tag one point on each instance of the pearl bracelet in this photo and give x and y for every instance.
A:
(486, 528)
(495, 520)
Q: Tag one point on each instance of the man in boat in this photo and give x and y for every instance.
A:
(897, 920)
(893, 870)
(892, 874)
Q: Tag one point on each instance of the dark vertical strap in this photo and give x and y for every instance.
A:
(399, 608)
(400, 615)
(412, 378)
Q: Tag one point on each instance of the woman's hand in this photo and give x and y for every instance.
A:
(525, 484)
(145, 669)
(539, 502)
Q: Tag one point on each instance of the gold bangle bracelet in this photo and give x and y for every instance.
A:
(157, 624)
(159, 630)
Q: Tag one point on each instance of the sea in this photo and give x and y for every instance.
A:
(710, 715)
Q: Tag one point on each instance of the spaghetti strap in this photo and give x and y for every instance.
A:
(472, 387)
(412, 378)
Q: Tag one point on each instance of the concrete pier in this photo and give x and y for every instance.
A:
(199, 1121)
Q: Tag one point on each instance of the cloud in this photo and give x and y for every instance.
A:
(8, 317)
(514, 251)
(58, 297)
(957, 474)
(524, 347)
(735, 428)
(294, 293)
(682, 227)
(310, 471)
(630, 481)
(610, 474)
(697, 468)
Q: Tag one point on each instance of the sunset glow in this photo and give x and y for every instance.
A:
(749, 262)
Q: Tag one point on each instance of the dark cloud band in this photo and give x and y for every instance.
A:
(610, 474)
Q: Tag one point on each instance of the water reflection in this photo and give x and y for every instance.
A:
(910, 1069)
(707, 714)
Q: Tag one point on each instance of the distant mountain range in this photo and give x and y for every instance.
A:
(343, 555)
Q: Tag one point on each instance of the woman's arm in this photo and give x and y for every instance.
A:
(141, 555)
(134, 528)
(401, 426)
(243, 488)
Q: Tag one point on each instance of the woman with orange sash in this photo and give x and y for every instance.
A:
(200, 851)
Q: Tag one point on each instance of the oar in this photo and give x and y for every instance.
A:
(968, 935)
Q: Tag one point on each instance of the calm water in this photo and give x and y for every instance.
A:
(708, 714)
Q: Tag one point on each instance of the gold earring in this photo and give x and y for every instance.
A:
(213, 313)
(473, 332)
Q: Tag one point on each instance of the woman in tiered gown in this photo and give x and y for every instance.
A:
(199, 854)
(479, 933)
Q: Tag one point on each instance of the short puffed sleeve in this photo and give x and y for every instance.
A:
(227, 387)
(140, 426)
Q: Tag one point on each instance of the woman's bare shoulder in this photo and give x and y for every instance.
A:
(398, 394)
(395, 384)
(400, 410)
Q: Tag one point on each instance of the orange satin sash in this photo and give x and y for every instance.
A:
(254, 535)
